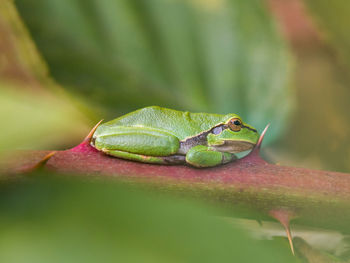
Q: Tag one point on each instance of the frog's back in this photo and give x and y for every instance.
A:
(179, 123)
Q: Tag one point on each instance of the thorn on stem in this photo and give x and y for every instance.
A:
(284, 217)
(256, 149)
(39, 164)
(91, 133)
(85, 146)
(261, 138)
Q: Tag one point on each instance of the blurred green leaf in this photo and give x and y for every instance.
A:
(34, 111)
(333, 21)
(218, 56)
(32, 121)
(312, 255)
(65, 220)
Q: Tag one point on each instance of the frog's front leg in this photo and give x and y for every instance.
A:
(139, 144)
(203, 156)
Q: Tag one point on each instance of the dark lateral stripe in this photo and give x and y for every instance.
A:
(243, 126)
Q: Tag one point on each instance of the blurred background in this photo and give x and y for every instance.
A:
(66, 64)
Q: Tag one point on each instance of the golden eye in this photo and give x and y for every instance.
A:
(235, 124)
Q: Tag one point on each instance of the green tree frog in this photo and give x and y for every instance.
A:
(165, 136)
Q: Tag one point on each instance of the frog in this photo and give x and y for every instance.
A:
(158, 135)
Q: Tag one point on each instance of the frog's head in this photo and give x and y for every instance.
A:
(233, 136)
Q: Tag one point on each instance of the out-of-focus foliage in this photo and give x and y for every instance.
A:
(312, 255)
(318, 137)
(319, 131)
(34, 112)
(65, 220)
(218, 56)
(31, 122)
(333, 19)
(201, 55)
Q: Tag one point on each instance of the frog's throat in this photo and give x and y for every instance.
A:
(234, 146)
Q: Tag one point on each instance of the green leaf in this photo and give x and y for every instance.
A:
(34, 111)
(64, 220)
(333, 21)
(29, 121)
(218, 56)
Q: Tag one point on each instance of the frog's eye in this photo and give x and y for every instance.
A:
(235, 124)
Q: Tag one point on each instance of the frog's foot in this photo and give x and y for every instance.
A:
(171, 159)
(174, 159)
(203, 156)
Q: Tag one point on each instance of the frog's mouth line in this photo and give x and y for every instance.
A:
(234, 146)
(249, 128)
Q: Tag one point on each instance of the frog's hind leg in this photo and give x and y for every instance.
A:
(140, 144)
(171, 159)
(139, 141)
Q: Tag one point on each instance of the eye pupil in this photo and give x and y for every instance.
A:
(237, 122)
(235, 125)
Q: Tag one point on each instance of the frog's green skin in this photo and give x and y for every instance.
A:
(165, 136)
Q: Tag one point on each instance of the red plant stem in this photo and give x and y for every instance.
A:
(318, 198)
